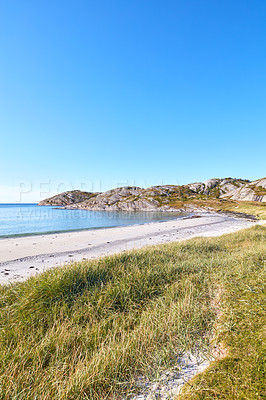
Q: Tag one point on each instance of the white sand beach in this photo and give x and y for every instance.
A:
(22, 257)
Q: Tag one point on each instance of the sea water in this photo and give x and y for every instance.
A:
(29, 219)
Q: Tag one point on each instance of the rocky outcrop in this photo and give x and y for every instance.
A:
(233, 189)
(129, 198)
(217, 187)
(161, 198)
(63, 199)
(260, 183)
(252, 191)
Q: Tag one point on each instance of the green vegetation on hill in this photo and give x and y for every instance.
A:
(252, 208)
(164, 197)
(86, 331)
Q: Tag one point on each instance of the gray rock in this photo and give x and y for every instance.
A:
(71, 197)
(160, 198)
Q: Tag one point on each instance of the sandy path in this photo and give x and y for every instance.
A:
(25, 256)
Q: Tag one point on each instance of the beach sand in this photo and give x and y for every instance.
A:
(22, 257)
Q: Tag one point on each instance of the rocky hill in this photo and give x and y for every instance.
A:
(66, 198)
(252, 191)
(132, 198)
(162, 198)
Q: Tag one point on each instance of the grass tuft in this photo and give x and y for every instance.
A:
(241, 373)
(87, 330)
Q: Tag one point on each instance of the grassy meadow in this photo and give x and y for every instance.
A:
(253, 208)
(257, 209)
(88, 330)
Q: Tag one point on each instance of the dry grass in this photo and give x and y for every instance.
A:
(241, 373)
(86, 331)
(254, 208)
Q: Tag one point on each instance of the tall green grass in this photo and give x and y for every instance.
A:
(86, 331)
(241, 326)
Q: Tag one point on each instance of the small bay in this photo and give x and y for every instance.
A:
(26, 219)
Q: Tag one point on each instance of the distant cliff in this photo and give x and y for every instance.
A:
(166, 197)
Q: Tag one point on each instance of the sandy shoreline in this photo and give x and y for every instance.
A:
(21, 257)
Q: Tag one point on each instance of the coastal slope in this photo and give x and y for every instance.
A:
(70, 197)
(164, 197)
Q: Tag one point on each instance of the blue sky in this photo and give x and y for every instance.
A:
(99, 94)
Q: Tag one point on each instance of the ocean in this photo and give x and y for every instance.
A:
(31, 219)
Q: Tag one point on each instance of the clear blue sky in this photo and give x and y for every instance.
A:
(101, 93)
